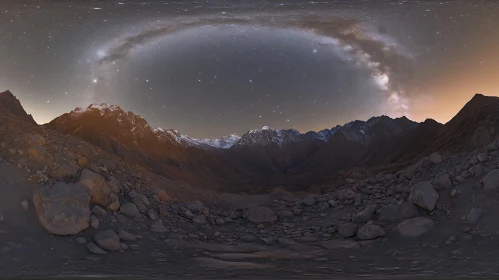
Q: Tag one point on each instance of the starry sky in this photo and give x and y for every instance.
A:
(211, 68)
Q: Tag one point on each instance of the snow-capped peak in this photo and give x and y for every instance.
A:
(267, 135)
(224, 142)
(103, 108)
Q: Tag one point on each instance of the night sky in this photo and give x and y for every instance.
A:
(211, 68)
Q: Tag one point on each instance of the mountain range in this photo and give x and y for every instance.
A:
(272, 157)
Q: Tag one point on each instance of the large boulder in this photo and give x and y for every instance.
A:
(365, 215)
(62, 208)
(415, 227)
(491, 181)
(96, 187)
(261, 215)
(424, 195)
(108, 240)
(368, 232)
(397, 213)
(348, 229)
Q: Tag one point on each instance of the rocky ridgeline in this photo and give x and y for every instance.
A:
(108, 205)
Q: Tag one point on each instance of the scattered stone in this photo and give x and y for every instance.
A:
(158, 227)
(479, 170)
(114, 185)
(130, 210)
(397, 213)
(309, 200)
(123, 246)
(424, 195)
(324, 206)
(450, 240)
(248, 238)
(142, 203)
(126, 236)
(474, 215)
(268, 240)
(336, 244)
(333, 203)
(81, 240)
(415, 227)
(453, 192)
(435, 158)
(286, 213)
(25, 205)
(261, 215)
(163, 196)
(348, 229)
(482, 157)
(368, 232)
(94, 222)
(152, 214)
(99, 211)
(346, 194)
(95, 249)
(217, 234)
(297, 211)
(62, 208)
(491, 146)
(108, 240)
(491, 181)
(285, 241)
(443, 181)
(195, 207)
(365, 215)
(199, 219)
(115, 204)
(122, 219)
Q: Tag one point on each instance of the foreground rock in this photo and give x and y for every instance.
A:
(108, 240)
(491, 181)
(62, 208)
(368, 232)
(424, 195)
(95, 249)
(474, 215)
(96, 187)
(365, 215)
(261, 215)
(130, 210)
(348, 229)
(415, 227)
(397, 213)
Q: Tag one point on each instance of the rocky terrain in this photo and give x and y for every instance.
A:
(70, 208)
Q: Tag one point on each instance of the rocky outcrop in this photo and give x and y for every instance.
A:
(62, 208)
(368, 232)
(424, 195)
